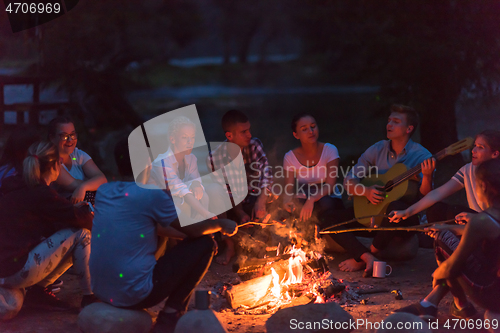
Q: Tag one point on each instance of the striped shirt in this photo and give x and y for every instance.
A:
(256, 168)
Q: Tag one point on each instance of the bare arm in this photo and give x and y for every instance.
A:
(95, 175)
(430, 199)
(329, 185)
(196, 205)
(225, 226)
(428, 167)
(67, 181)
(288, 192)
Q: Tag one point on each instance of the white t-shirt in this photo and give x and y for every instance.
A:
(312, 175)
(78, 159)
(466, 177)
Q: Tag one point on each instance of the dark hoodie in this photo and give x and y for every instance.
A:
(27, 216)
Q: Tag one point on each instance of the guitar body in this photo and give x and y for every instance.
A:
(406, 190)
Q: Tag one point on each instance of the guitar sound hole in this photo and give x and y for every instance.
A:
(388, 187)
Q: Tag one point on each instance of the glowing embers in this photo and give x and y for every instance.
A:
(292, 281)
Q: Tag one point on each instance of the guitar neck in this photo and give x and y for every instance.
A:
(413, 171)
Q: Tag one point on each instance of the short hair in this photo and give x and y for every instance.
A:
(175, 125)
(122, 158)
(296, 119)
(488, 172)
(52, 127)
(492, 138)
(412, 117)
(42, 157)
(231, 118)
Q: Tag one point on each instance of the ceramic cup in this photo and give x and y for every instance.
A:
(380, 269)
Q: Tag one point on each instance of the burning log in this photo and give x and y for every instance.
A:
(249, 293)
(248, 265)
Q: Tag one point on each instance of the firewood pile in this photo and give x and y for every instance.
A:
(282, 266)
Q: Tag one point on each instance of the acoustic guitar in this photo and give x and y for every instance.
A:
(396, 183)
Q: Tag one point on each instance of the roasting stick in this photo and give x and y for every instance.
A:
(354, 220)
(255, 223)
(264, 222)
(416, 228)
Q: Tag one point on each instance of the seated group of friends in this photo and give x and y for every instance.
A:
(45, 225)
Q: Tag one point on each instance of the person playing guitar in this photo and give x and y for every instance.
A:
(383, 155)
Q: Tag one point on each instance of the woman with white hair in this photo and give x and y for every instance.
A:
(180, 170)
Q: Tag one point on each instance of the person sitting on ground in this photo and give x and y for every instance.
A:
(41, 233)
(79, 173)
(486, 147)
(179, 166)
(469, 266)
(383, 155)
(15, 151)
(313, 166)
(128, 220)
(259, 178)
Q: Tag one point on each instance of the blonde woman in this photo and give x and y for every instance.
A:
(41, 233)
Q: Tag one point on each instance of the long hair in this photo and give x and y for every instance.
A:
(488, 172)
(492, 138)
(42, 157)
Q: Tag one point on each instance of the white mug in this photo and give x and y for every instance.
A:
(380, 269)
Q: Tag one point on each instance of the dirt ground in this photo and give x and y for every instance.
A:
(412, 277)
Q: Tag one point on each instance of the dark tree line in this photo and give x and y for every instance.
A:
(423, 52)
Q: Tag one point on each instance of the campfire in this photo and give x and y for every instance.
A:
(294, 274)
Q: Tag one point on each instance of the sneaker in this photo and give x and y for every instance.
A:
(40, 297)
(55, 287)
(417, 309)
(89, 299)
(466, 313)
(166, 322)
(57, 283)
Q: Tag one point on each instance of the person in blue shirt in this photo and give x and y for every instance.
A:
(128, 220)
(399, 148)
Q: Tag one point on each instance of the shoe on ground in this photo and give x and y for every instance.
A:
(57, 283)
(417, 309)
(55, 287)
(166, 322)
(89, 299)
(40, 297)
(466, 313)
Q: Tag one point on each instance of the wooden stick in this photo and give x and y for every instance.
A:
(415, 228)
(354, 220)
(256, 223)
